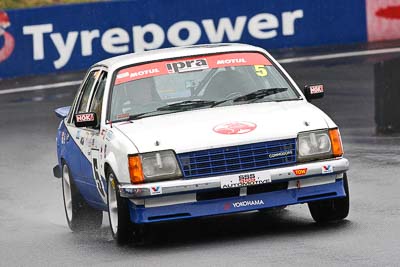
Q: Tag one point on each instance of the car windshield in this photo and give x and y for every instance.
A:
(198, 82)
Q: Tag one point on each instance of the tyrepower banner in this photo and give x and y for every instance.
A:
(72, 37)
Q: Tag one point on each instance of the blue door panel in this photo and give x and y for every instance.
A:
(80, 168)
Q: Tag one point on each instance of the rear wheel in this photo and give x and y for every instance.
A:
(80, 216)
(331, 209)
(122, 229)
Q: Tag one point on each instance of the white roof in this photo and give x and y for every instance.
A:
(175, 52)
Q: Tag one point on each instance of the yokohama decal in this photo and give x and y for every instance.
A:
(190, 64)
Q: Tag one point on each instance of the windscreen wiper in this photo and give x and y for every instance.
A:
(259, 94)
(256, 95)
(186, 104)
(171, 108)
(143, 115)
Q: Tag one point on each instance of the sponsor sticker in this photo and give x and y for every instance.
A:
(143, 72)
(192, 64)
(316, 89)
(123, 116)
(281, 154)
(243, 180)
(247, 203)
(188, 65)
(231, 61)
(78, 134)
(300, 172)
(237, 127)
(109, 135)
(155, 190)
(327, 169)
(84, 117)
(63, 138)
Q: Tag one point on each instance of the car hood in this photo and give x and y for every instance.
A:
(224, 126)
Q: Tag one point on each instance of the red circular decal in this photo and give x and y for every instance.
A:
(5, 37)
(238, 127)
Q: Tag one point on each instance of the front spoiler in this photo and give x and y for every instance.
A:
(338, 166)
(140, 214)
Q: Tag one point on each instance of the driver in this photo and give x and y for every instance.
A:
(142, 96)
(226, 83)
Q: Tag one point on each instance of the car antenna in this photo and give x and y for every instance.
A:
(110, 122)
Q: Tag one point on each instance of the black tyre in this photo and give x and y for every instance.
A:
(331, 209)
(80, 216)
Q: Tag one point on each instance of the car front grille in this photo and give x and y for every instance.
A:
(233, 159)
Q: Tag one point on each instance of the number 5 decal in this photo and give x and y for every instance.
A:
(261, 70)
(97, 178)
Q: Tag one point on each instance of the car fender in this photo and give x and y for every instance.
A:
(116, 167)
(118, 147)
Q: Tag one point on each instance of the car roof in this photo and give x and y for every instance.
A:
(176, 52)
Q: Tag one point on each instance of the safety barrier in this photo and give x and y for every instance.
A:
(387, 96)
(72, 37)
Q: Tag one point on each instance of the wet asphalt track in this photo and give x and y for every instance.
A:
(33, 229)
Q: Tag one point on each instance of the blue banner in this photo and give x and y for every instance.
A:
(73, 37)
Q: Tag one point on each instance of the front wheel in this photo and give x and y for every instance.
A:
(331, 209)
(122, 229)
(80, 216)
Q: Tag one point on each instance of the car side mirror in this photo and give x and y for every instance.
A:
(87, 119)
(314, 91)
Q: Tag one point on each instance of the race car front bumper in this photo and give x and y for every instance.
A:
(142, 214)
(292, 174)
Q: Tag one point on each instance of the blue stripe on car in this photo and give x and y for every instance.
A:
(80, 168)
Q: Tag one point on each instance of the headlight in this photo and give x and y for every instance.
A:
(153, 166)
(314, 145)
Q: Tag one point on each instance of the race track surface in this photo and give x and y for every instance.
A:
(33, 229)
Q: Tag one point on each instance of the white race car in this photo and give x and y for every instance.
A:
(196, 131)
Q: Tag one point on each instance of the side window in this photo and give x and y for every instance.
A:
(97, 100)
(84, 100)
